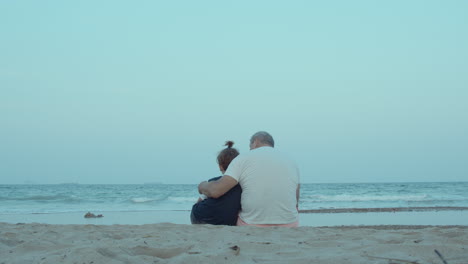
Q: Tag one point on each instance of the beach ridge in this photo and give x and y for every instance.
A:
(385, 209)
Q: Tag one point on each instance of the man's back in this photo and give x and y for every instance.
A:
(269, 182)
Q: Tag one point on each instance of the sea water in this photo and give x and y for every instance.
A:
(74, 198)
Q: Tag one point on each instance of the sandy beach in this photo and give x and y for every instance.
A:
(176, 243)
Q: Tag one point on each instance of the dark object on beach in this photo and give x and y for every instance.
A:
(91, 215)
(236, 249)
(440, 256)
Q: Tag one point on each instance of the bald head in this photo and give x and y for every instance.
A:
(261, 139)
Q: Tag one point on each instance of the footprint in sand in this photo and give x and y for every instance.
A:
(163, 253)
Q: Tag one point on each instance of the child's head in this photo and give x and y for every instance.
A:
(226, 156)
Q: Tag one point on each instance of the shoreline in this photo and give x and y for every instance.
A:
(317, 218)
(302, 211)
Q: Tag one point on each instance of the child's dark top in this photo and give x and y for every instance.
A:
(221, 211)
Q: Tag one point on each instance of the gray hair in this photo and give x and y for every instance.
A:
(263, 137)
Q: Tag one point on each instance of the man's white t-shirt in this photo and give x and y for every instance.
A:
(269, 182)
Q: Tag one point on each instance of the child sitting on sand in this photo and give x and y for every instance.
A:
(225, 209)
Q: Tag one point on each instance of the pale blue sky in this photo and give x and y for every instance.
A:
(148, 91)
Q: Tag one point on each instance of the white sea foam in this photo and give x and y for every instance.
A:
(365, 198)
(142, 200)
(183, 199)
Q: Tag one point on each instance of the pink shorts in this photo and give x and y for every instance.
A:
(240, 222)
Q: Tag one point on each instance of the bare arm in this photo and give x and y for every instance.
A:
(297, 195)
(218, 188)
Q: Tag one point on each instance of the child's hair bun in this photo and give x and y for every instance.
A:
(229, 144)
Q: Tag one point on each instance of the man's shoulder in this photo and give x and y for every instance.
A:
(242, 157)
(263, 153)
(281, 157)
(270, 151)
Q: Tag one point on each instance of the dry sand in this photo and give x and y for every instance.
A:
(172, 243)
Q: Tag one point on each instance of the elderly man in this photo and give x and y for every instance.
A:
(269, 181)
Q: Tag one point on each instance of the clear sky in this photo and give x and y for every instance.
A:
(148, 91)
